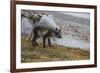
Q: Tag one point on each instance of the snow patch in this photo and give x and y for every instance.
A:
(69, 42)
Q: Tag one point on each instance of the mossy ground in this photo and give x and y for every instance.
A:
(55, 53)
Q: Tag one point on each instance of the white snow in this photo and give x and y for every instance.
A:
(26, 25)
(69, 42)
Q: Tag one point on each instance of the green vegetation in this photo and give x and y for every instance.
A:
(55, 53)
